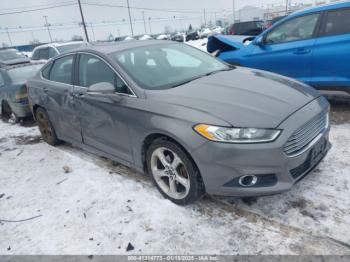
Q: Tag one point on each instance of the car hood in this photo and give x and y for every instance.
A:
(241, 97)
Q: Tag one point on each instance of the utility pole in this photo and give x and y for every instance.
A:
(144, 21)
(205, 17)
(93, 32)
(287, 4)
(132, 30)
(149, 24)
(9, 36)
(233, 10)
(215, 18)
(83, 21)
(48, 27)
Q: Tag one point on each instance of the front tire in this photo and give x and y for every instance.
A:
(46, 129)
(173, 172)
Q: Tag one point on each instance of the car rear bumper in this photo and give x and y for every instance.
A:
(21, 109)
(222, 165)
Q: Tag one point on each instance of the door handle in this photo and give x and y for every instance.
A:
(302, 51)
(45, 89)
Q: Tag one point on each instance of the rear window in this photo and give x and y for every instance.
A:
(338, 22)
(22, 74)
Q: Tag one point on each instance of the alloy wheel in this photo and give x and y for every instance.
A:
(170, 173)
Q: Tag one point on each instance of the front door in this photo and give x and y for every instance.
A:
(104, 122)
(287, 49)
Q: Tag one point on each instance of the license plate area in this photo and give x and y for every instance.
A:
(318, 151)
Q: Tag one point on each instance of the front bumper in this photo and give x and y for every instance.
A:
(221, 164)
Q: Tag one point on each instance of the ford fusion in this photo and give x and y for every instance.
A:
(190, 121)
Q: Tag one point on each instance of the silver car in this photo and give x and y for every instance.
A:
(190, 121)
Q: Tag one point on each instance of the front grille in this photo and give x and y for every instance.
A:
(305, 134)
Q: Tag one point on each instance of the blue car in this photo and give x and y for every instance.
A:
(312, 46)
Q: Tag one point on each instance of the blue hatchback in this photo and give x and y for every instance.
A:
(312, 46)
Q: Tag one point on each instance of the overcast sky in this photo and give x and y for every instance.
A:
(99, 16)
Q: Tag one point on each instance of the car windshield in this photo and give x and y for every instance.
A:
(164, 66)
(22, 74)
(65, 48)
(10, 54)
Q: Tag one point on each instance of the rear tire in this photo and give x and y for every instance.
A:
(173, 172)
(46, 129)
(6, 111)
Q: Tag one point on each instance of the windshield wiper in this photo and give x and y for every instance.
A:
(187, 81)
(195, 78)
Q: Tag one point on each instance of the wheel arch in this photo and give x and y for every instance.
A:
(159, 135)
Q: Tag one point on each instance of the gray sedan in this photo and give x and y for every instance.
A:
(193, 123)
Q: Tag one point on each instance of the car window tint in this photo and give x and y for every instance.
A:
(299, 28)
(2, 82)
(44, 53)
(338, 22)
(52, 52)
(93, 70)
(62, 70)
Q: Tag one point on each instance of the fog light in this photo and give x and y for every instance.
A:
(248, 180)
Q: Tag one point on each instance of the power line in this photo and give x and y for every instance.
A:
(146, 8)
(37, 9)
(34, 6)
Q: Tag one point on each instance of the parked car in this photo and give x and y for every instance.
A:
(246, 28)
(311, 46)
(13, 91)
(47, 51)
(190, 121)
(162, 37)
(178, 37)
(192, 35)
(204, 32)
(12, 56)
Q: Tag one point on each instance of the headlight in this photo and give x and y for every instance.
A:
(237, 135)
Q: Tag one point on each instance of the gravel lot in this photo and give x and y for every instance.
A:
(61, 200)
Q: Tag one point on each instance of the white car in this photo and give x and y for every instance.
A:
(48, 51)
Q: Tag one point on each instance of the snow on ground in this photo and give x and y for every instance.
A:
(200, 44)
(84, 204)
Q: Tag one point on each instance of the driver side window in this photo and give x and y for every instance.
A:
(300, 28)
(93, 70)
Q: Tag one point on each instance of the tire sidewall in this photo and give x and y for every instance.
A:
(54, 140)
(195, 191)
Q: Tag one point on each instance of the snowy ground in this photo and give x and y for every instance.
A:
(83, 204)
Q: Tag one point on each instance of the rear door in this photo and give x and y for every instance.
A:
(331, 66)
(59, 103)
(288, 48)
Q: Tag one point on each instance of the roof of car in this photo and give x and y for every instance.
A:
(60, 44)
(321, 8)
(108, 48)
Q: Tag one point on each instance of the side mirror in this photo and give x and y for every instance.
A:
(104, 92)
(260, 41)
(101, 88)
